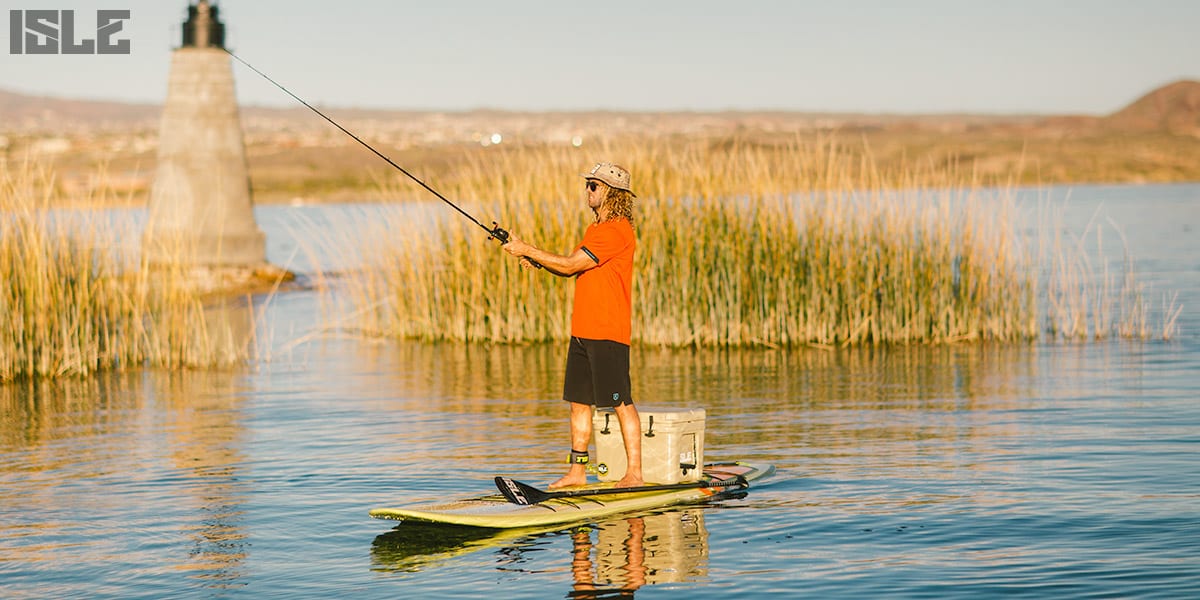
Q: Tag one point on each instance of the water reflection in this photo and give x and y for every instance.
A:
(203, 423)
(630, 553)
(757, 401)
(109, 471)
(612, 559)
(36, 459)
(461, 377)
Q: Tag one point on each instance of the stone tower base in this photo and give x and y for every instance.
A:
(201, 212)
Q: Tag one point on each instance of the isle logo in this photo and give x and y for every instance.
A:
(40, 31)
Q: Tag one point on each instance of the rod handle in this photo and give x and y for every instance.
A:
(502, 236)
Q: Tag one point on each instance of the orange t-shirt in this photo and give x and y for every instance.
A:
(604, 294)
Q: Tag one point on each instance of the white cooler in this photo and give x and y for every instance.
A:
(672, 444)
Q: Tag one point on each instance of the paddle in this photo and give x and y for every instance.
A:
(524, 494)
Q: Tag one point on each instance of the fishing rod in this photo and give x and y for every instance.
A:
(494, 232)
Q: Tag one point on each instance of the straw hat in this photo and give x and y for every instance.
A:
(614, 175)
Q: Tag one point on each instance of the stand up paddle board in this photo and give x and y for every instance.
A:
(521, 505)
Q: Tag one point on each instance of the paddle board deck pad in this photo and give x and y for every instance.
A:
(497, 512)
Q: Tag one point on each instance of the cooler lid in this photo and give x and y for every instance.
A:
(663, 414)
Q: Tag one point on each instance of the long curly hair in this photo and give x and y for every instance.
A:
(619, 203)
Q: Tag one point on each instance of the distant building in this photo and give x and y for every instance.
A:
(201, 212)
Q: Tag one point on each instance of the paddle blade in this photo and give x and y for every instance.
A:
(519, 493)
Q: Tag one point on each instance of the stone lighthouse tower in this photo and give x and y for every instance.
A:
(200, 212)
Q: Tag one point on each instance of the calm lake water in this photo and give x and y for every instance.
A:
(1043, 470)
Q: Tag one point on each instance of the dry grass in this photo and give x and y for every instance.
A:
(1092, 290)
(78, 300)
(806, 242)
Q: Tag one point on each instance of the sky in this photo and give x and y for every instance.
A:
(861, 56)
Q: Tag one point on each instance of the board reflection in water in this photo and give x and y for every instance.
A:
(607, 559)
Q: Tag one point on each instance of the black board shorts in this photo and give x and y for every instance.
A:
(597, 373)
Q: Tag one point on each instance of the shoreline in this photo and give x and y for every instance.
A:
(336, 172)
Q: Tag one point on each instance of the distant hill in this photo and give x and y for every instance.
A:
(1173, 108)
(22, 111)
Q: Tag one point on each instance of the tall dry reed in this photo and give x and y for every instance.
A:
(1093, 291)
(78, 300)
(804, 242)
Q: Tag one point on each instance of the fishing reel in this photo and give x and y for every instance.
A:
(502, 236)
(498, 233)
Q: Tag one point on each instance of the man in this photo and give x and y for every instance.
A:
(597, 373)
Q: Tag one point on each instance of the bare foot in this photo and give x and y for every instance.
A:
(568, 480)
(630, 481)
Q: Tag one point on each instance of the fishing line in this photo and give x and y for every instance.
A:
(494, 232)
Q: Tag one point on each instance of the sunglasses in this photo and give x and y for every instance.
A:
(592, 185)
